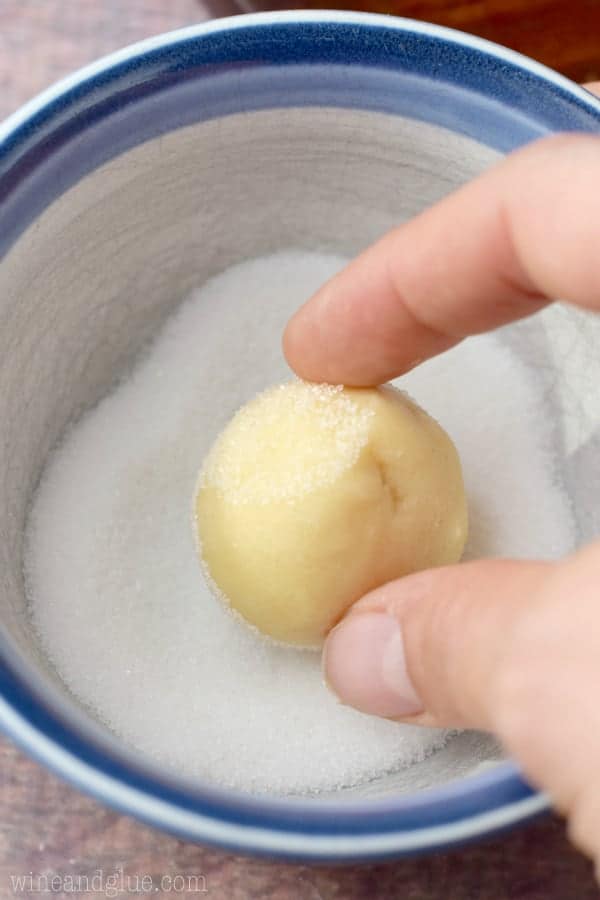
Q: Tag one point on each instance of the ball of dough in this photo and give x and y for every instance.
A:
(315, 494)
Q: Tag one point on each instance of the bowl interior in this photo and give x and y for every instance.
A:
(102, 266)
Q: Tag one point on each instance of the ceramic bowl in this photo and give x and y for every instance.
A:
(134, 180)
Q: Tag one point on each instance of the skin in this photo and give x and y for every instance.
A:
(426, 649)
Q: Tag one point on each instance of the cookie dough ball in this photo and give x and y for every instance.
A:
(314, 494)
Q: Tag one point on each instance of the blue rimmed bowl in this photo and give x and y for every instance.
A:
(132, 181)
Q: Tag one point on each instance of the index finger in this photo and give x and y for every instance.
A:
(498, 249)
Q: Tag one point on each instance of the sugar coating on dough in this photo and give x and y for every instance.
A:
(271, 464)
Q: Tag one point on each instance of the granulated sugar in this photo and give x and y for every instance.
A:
(343, 433)
(115, 587)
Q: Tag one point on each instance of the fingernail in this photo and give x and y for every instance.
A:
(364, 664)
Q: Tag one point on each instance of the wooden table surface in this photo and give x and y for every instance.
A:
(46, 827)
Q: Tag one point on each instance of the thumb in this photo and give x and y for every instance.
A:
(431, 646)
(510, 647)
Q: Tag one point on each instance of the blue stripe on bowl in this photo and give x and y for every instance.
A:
(285, 828)
(367, 62)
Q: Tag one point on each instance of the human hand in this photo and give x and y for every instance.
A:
(511, 647)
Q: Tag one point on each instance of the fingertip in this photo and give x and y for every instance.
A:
(432, 637)
(290, 345)
(364, 664)
(302, 346)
